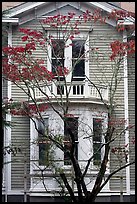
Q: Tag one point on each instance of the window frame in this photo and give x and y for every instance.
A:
(76, 140)
(43, 141)
(98, 142)
(68, 54)
(34, 146)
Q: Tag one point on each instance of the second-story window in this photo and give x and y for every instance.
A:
(78, 59)
(57, 57)
(71, 55)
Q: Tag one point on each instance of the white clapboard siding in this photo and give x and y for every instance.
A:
(20, 138)
(131, 101)
(101, 71)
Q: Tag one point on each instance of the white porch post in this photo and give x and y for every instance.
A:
(86, 89)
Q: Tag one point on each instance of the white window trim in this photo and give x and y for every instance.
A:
(7, 133)
(76, 141)
(94, 167)
(34, 147)
(102, 139)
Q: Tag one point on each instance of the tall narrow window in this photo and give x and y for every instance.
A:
(97, 140)
(78, 59)
(70, 127)
(44, 143)
(57, 56)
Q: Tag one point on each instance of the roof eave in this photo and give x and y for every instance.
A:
(10, 20)
(101, 6)
(125, 22)
(14, 13)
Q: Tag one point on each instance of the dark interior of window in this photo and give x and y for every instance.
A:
(78, 60)
(57, 55)
(44, 143)
(97, 140)
(70, 127)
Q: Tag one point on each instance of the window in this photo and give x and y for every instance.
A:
(57, 55)
(97, 140)
(65, 55)
(70, 124)
(78, 60)
(44, 143)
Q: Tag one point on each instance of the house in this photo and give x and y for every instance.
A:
(22, 178)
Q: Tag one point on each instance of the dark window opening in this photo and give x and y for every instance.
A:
(97, 140)
(57, 57)
(79, 68)
(78, 59)
(43, 141)
(70, 125)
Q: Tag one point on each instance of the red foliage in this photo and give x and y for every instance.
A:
(24, 108)
(117, 122)
(119, 14)
(30, 69)
(61, 71)
(120, 49)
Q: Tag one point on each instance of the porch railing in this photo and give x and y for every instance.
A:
(76, 89)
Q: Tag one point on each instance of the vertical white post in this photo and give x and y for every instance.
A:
(49, 67)
(25, 177)
(86, 89)
(126, 113)
(68, 59)
(87, 57)
(7, 136)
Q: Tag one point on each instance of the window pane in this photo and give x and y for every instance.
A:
(78, 61)
(58, 49)
(56, 63)
(78, 48)
(97, 138)
(79, 68)
(71, 124)
(97, 157)
(43, 153)
(97, 129)
(44, 144)
(41, 127)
